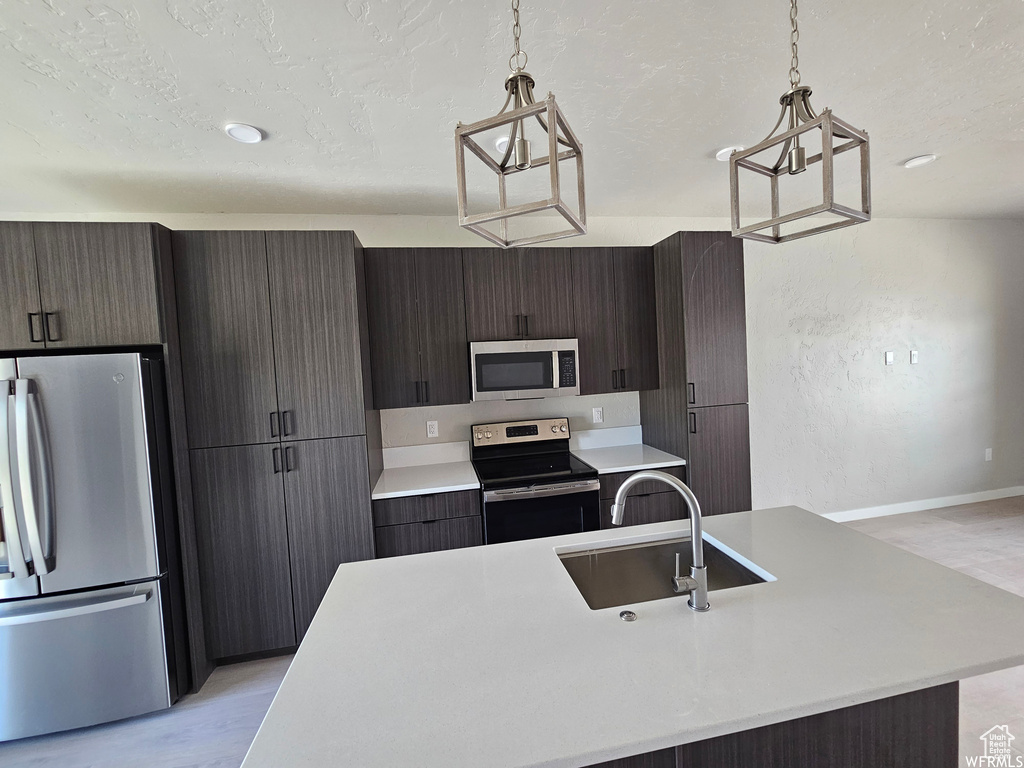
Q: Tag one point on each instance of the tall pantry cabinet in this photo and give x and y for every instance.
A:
(284, 443)
(700, 410)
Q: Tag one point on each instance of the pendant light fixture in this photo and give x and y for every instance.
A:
(803, 124)
(514, 154)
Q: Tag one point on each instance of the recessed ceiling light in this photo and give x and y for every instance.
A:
(725, 153)
(247, 134)
(917, 162)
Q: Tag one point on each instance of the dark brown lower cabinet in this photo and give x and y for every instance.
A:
(719, 461)
(913, 730)
(409, 525)
(646, 508)
(610, 483)
(663, 758)
(242, 534)
(429, 536)
(274, 522)
(328, 507)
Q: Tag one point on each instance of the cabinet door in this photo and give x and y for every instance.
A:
(636, 319)
(663, 758)
(391, 297)
(714, 318)
(21, 321)
(719, 463)
(329, 521)
(491, 277)
(97, 284)
(593, 277)
(444, 351)
(243, 549)
(646, 508)
(545, 276)
(315, 314)
(226, 342)
(434, 536)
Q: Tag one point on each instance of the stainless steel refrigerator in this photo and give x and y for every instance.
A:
(88, 611)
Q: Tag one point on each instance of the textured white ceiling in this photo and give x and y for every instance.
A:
(117, 106)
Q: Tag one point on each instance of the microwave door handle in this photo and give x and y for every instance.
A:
(8, 517)
(27, 492)
(555, 377)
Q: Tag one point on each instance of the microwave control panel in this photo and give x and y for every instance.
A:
(567, 369)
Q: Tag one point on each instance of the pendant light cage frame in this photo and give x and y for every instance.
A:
(793, 160)
(558, 132)
(832, 128)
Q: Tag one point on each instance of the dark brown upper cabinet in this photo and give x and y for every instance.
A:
(321, 345)
(616, 322)
(523, 293)
(69, 285)
(417, 313)
(273, 335)
(21, 321)
(714, 318)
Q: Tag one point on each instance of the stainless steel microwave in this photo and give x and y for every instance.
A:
(521, 370)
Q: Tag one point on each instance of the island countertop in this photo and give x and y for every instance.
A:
(490, 656)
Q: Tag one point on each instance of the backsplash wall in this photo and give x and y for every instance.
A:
(408, 426)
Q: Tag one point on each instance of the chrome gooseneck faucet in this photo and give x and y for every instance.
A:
(697, 582)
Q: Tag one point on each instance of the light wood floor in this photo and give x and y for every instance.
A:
(213, 728)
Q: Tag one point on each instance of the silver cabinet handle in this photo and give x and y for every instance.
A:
(8, 518)
(28, 496)
(43, 614)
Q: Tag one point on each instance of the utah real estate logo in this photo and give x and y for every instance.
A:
(997, 741)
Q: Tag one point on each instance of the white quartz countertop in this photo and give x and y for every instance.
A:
(426, 478)
(627, 458)
(489, 655)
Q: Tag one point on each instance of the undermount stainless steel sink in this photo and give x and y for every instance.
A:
(612, 576)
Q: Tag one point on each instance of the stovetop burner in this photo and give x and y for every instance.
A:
(526, 453)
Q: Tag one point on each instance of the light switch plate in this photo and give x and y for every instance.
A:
(599, 415)
(431, 429)
(988, 454)
(913, 357)
(890, 357)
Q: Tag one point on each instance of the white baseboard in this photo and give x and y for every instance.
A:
(924, 504)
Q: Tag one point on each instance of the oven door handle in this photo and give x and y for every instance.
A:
(541, 491)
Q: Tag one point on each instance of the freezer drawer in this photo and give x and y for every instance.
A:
(76, 660)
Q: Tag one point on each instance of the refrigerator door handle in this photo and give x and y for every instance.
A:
(28, 495)
(8, 517)
(83, 609)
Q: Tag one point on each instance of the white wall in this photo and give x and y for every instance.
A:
(832, 428)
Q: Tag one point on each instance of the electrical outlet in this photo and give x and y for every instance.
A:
(431, 429)
(913, 357)
(599, 415)
(890, 358)
(988, 454)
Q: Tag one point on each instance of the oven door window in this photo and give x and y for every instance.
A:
(537, 517)
(504, 371)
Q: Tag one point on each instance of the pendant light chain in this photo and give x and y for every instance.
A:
(794, 38)
(513, 62)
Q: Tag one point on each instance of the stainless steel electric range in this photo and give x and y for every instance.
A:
(532, 485)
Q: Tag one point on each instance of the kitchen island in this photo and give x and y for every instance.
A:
(489, 656)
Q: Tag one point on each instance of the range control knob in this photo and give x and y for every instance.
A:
(487, 435)
(563, 428)
(554, 428)
(479, 435)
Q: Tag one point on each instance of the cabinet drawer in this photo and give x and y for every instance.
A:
(647, 508)
(610, 483)
(433, 536)
(422, 509)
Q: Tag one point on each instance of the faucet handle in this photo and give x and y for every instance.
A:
(677, 565)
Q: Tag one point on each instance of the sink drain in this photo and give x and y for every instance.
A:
(627, 616)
